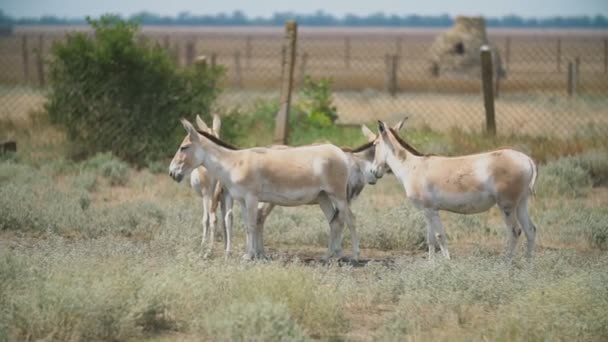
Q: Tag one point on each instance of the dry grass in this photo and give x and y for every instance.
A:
(97, 251)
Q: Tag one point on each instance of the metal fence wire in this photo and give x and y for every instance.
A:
(552, 83)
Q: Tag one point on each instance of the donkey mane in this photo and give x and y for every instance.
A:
(357, 149)
(217, 140)
(407, 146)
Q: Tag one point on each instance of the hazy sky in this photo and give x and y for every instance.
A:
(265, 8)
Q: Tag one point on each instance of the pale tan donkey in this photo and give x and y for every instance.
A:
(360, 161)
(285, 176)
(206, 185)
(466, 185)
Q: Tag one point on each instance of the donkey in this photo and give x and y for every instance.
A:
(465, 185)
(206, 185)
(360, 159)
(281, 176)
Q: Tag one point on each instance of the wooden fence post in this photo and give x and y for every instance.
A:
(605, 56)
(391, 79)
(347, 52)
(507, 54)
(577, 73)
(487, 72)
(303, 63)
(190, 51)
(559, 55)
(213, 59)
(281, 121)
(238, 72)
(248, 51)
(398, 45)
(40, 61)
(570, 82)
(26, 59)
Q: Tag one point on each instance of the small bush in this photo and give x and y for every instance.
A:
(258, 321)
(316, 104)
(106, 165)
(114, 92)
(564, 176)
(251, 129)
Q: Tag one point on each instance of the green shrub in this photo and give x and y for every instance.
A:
(114, 92)
(315, 103)
(251, 129)
(106, 165)
(564, 176)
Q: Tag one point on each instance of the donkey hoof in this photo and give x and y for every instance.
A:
(248, 257)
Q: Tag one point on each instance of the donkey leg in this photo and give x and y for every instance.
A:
(205, 222)
(264, 209)
(348, 217)
(250, 233)
(334, 248)
(226, 205)
(513, 231)
(529, 228)
(256, 246)
(436, 234)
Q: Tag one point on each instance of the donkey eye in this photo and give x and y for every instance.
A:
(182, 148)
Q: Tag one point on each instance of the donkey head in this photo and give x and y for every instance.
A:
(189, 155)
(380, 153)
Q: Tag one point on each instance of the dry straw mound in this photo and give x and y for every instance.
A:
(455, 52)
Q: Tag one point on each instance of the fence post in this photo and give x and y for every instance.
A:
(303, 67)
(559, 55)
(26, 59)
(190, 51)
(213, 59)
(347, 52)
(487, 72)
(605, 55)
(570, 85)
(281, 121)
(238, 72)
(248, 51)
(40, 61)
(392, 66)
(507, 54)
(577, 73)
(398, 45)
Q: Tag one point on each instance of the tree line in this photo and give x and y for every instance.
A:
(320, 18)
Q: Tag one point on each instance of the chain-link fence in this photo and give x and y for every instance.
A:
(552, 83)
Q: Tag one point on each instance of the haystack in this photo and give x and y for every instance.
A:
(456, 52)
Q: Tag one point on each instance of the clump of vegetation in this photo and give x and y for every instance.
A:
(315, 103)
(110, 167)
(254, 128)
(111, 91)
(260, 320)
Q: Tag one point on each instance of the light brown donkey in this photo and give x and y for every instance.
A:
(207, 186)
(287, 177)
(466, 185)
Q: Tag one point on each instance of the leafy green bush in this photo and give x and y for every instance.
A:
(251, 129)
(114, 92)
(316, 104)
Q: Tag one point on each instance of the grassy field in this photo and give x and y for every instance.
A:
(96, 250)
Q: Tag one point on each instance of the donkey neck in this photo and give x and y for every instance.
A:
(214, 157)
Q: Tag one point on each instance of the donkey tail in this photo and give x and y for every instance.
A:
(534, 176)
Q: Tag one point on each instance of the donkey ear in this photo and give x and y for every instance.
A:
(382, 128)
(368, 133)
(201, 124)
(399, 124)
(191, 130)
(217, 124)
